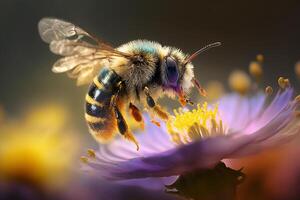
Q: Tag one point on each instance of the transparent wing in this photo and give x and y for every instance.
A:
(82, 59)
(51, 29)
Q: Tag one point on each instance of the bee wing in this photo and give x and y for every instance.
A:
(82, 59)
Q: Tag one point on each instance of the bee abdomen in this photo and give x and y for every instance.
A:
(98, 112)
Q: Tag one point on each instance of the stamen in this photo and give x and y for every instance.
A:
(297, 99)
(297, 114)
(204, 131)
(260, 58)
(269, 90)
(255, 69)
(176, 139)
(287, 82)
(281, 82)
(198, 123)
(91, 153)
(297, 69)
(84, 159)
(239, 82)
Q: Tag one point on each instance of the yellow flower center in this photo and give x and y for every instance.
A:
(202, 122)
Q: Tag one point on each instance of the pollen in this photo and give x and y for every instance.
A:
(202, 122)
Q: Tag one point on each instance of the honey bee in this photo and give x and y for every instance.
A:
(138, 72)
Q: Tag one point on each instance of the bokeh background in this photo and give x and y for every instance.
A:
(245, 28)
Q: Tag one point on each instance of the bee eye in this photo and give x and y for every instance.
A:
(171, 70)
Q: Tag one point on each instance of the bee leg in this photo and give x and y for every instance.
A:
(123, 127)
(184, 99)
(121, 123)
(200, 89)
(152, 117)
(136, 114)
(160, 112)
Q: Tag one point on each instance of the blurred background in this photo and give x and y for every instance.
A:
(30, 91)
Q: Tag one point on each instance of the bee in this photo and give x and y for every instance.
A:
(138, 72)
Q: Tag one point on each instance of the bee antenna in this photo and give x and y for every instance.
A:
(205, 48)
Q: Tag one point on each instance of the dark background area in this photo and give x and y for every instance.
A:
(245, 28)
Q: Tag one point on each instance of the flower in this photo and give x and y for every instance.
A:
(37, 162)
(237, 127)
(33, 150)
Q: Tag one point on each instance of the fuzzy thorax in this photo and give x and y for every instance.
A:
(150, 72)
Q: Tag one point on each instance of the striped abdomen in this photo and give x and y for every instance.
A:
(98, 112)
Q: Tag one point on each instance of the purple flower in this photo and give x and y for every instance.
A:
(237, 127)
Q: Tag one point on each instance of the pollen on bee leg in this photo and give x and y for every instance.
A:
(137, 115)
(161, 113)
(181, 98)
(91, 153)
(153, 121)
(269, 90)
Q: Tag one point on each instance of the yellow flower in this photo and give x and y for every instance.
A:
(35, 150)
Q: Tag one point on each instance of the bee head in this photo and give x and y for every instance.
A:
(176, 75)
(177, 69)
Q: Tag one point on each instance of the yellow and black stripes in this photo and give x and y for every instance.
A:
(98, 112)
